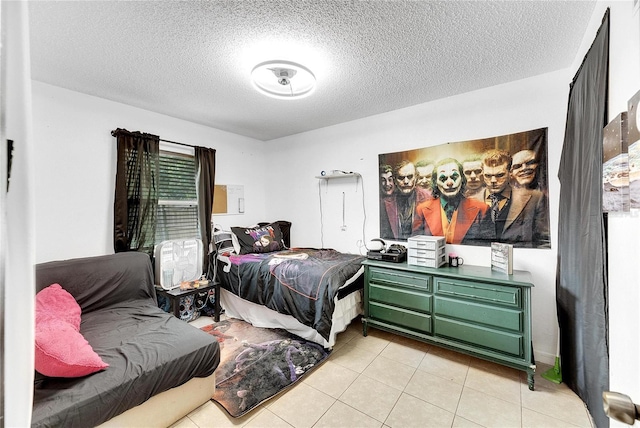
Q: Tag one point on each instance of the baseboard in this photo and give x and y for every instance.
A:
(545, 358)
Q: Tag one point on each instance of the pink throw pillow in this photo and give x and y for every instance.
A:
(61, 351)
(54, 302)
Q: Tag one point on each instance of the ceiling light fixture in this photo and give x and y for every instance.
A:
(283, 79)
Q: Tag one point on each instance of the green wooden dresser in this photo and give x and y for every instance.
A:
(470, 309)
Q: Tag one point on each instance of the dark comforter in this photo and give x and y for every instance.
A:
(302, 282)
(148, 350)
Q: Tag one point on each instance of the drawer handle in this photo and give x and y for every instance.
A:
(394, 284)
(471, 296)
(515, 293)
(426, 247)
(379, 278)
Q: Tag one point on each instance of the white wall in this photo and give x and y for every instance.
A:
(520, 106)
(17, 231)
(624, 229)
(75, 168)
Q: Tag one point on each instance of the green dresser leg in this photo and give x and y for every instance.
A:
(530, 379)
(364, 328)
(532, 369)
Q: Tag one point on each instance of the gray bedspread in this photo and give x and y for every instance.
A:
(148, 350)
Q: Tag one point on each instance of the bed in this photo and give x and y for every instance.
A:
(314, 293)
(106, 355)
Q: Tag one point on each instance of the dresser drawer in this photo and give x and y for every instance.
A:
(400, 296)
(397, 277)
(495, 316)
(399, 316)
(479, 292)
(483, 337)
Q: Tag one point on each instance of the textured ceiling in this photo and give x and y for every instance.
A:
(192, 60)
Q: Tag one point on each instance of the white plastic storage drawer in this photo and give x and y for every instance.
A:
(427, 254)
(425, 242)
(423, 261)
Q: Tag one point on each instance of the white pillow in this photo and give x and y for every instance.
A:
(225, 241)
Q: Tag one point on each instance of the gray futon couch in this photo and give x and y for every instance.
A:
(150, 352)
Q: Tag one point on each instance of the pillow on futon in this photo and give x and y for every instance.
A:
(259, 239)
(61, 351)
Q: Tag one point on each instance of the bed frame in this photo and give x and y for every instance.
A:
(346, 309)
(168, 407)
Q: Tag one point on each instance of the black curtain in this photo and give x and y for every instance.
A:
(136, 195)
(581, 282)
(206, 162)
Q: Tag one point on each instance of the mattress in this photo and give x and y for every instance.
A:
(148, 352)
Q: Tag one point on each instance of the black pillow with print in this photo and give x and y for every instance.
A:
(261, 239)
(285, 228)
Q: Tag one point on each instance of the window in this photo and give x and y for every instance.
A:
(177, 197)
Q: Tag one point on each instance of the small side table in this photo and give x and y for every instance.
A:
(175, 295)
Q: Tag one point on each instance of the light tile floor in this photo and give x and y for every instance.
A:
(386, 380)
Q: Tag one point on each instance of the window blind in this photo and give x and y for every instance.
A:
(177, 197)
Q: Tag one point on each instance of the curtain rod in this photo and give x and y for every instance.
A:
(141, 135)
